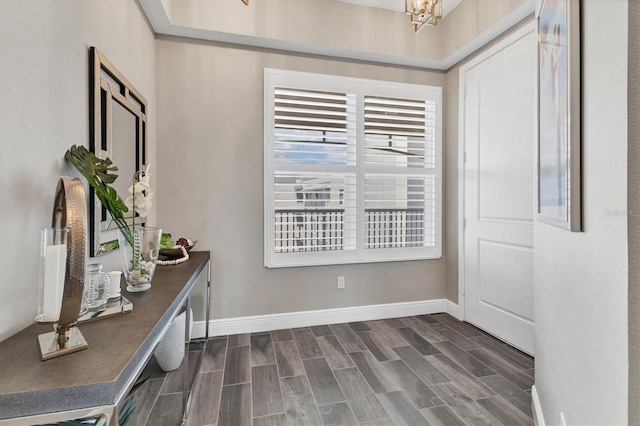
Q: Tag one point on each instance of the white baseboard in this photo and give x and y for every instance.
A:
(538, 417)
(257, 323)
(452, 309)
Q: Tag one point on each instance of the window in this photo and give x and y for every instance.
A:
(352, 170)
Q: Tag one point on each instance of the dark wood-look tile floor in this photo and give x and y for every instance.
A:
(422, 370)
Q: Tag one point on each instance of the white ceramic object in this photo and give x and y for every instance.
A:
(114, 290)
(170, 350)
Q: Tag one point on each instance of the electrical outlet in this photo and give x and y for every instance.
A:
(340, 283)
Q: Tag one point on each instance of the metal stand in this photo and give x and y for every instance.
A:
(51, 345)
(187, 393)
(69, 211)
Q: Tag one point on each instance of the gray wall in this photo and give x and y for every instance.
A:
(633, 195)
(44, 80)
(210, 135)
(581, 278)
(470, 19)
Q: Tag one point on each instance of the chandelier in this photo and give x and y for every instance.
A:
(423, 12)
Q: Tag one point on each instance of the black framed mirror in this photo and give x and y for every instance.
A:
(117, 122)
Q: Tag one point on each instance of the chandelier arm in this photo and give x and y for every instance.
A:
(423, 12)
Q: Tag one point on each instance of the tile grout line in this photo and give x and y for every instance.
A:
(370, 388)
(478, 378)
(340, 343)
(467, 353)
(251, 377)
(500, 374)
(399, 359)
(427, 384)
(224, 371)
(505, 345)
(358, 370)
(155, 400)
(269, 415)
(222, 380)
(493, 352)
(286, 416)
(509, 402)
(437, 369)
(336, 379)
(419, 378)
(452, 330)
(306, 376)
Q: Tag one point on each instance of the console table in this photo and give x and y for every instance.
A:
(95, 381)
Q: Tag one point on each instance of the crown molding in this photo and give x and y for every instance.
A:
(159, 19)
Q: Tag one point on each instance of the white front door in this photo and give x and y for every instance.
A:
(498, 113)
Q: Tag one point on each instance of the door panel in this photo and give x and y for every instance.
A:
(499, 193)
(498, 264)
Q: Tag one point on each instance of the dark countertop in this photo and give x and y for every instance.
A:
(119, 346)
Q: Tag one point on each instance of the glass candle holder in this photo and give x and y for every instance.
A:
(53, 263)
(114, 292)
(96, 287)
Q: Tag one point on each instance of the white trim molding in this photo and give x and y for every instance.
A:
(538, 417)
(452, 309)
(258, 323)
(160, 20)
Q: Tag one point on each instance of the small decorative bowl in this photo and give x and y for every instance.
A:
(175, 252)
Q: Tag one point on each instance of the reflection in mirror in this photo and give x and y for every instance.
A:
(118, 131)
(123, 126)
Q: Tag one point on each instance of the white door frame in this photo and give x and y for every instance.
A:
(503, 44)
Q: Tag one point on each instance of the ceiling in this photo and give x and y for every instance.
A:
(283, 25)
(398, 5)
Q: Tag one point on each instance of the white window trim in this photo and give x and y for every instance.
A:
(294, 79)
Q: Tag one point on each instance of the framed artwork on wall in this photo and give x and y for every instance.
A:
(558, 150)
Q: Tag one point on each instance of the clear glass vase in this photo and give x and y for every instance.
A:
(139, 251)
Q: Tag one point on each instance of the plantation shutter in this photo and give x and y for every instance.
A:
(352, 170)
(314, 179)
(400, 171)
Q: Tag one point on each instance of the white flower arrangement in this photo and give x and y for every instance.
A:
(140, 199)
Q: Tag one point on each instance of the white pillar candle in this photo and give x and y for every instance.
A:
(55, 259)
(114, 290)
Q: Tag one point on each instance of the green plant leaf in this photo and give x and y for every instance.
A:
(115, 201)
(166, 241)
(99, 174)
(112, 245)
